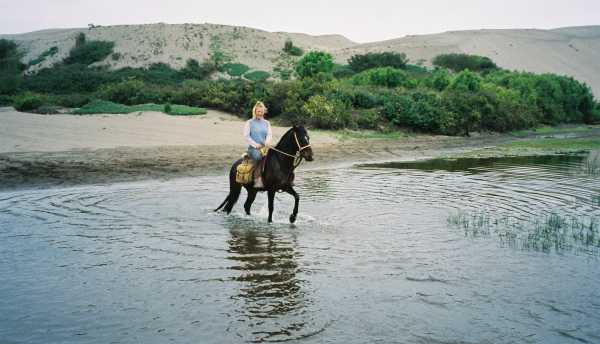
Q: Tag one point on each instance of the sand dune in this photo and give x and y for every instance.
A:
(572, 51)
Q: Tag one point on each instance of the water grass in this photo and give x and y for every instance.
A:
(107, 107)
(546, 233)
(548, 130)
(557, 145)
(591, 165)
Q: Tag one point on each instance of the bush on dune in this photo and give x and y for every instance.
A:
(460, 62)
(90, 52)
(359, 63)
(29, 101)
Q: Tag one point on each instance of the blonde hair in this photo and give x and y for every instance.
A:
(257, 105)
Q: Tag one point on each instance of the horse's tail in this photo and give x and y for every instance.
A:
(222, 204)
(234, 191)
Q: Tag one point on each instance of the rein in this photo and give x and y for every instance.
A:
(297, 158)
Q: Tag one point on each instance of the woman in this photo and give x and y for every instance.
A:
(257, 132)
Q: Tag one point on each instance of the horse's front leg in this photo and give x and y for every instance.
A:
(271, 196)
(293, 192)
(249, 200)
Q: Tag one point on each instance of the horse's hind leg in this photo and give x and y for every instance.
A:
(234, 194)
(293, 192)
(249, 200)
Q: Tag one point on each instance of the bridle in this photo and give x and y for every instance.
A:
(298, 157)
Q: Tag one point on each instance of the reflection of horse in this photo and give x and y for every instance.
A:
(272, 300)
(277, 175)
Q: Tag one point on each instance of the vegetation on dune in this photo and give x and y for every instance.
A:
(48, 53)
(460, 62)
(314, 63)
(235, 69)
(291, 49)
(359, 63)
(373, 91)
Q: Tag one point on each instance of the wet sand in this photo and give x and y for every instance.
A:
(46, 151)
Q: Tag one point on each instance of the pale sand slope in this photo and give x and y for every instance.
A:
(174, 44)
(570, 51)
(25, 132)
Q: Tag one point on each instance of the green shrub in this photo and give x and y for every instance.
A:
(10, 67)
(439, 80)
(342, 71)
(290, 49)
(73, 100)
(90, 52)
(124, 92)
(235, 69)
(368, 118)
(466, 81)
(257, 75)
(385, 76)
(419, 110)
(326, 114)
(359, 63)
(6, 100)
(194, 70)
(460, 62)
(29, 101)
(313, 63)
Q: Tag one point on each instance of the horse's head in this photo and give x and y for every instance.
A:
(303, 142)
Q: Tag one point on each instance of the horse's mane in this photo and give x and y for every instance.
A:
(285, 138)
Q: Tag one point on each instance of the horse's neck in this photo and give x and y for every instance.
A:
(286, 145)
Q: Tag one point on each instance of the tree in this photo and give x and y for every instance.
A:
(466, 81)
(79, 40)
(358, 63)
(292, 50)
(460, 62)
(194, 70)
(10, 66)
(314, 63)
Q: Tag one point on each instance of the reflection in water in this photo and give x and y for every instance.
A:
(272, 299)
(479, 165)
(371, 259)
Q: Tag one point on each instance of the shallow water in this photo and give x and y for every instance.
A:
(375, 257)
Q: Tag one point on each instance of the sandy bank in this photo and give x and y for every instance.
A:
(43, 151)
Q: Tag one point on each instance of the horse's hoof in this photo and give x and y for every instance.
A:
(292, 218)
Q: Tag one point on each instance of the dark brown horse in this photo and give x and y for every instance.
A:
(278, 173)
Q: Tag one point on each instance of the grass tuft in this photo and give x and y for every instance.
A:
(107, 107)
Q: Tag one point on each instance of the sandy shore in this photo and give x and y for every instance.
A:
(41, 151)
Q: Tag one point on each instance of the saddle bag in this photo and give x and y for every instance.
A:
(244, 172)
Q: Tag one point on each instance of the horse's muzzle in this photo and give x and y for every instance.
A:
(308, 154)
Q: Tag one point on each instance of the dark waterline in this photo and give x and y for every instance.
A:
(373, 258)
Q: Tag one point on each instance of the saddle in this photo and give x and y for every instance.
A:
(245, 171)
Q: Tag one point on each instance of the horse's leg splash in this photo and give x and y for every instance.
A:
(293, 192)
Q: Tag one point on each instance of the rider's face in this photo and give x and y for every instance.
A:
(260, 112)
